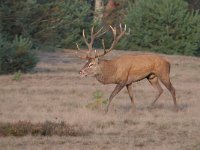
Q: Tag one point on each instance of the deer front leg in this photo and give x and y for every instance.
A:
(113, 94)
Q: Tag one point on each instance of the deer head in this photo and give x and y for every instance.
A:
(92, 67)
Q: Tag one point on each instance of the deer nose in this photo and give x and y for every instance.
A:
(80, 72)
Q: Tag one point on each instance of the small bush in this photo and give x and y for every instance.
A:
(48, 128)
(20, 128)
(17, 76)
(99, 101)
(17, 56)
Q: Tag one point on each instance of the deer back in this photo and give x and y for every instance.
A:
(130, 68)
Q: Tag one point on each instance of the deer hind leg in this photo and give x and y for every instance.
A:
(130, 92)
(155, 83)
(117, 89)
(166, 81)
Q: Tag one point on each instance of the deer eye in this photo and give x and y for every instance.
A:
(90, 65)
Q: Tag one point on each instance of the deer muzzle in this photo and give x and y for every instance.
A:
(82, 73)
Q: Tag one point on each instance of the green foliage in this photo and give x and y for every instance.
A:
(158, 25)
(21, 45)
(17, 76)
(17, 55)
(46, 23)
(164, 26)
(97, 95)
(99, 101)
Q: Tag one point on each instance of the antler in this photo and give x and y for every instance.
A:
(89, 45)
(115, 39)
(82, 57)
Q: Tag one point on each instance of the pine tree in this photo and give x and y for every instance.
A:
(164, 26)
(50, 23)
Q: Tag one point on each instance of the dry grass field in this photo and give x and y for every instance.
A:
(55, 92)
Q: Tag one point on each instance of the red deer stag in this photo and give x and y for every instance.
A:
(125, 69)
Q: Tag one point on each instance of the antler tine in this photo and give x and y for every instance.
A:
(82, 57)
(95, 53)
(104, 50)
(92, 31)
(103, 44)
(114, 31)
(125, 28)
(122, 32)
(96, 34)
(120, 26)
(115, 39)
(93, 36)
(121, 29)
(86, 42)
(129, 31)
(99, 35)
(77, 46)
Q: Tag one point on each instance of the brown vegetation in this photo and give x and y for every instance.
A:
(48, 128)
(56, 93)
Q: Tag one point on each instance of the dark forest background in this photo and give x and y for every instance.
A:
(164, 26)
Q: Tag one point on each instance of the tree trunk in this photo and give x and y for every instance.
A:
(111, 14)
(99, 6)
